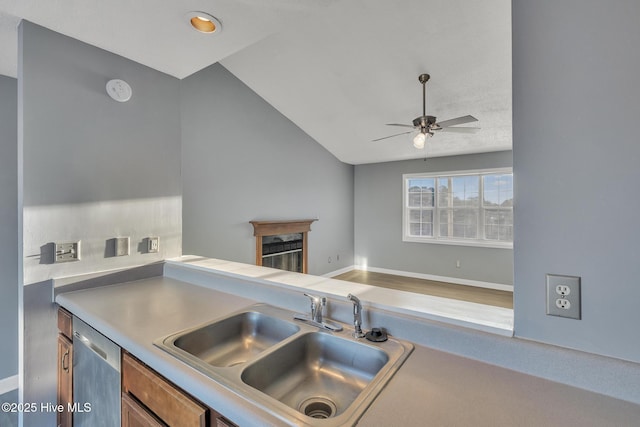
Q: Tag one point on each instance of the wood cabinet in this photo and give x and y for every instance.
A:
(150, 400)
(136, 415)
(65, 367)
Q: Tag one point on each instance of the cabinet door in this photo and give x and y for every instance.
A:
(65, 380)
(65, 323)
(165, 400)
(135, 415)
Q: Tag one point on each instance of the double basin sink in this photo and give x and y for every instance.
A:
(296, 371)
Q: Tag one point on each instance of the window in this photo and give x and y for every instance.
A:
(468, 208)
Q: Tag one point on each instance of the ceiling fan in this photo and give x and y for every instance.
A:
(427, 125)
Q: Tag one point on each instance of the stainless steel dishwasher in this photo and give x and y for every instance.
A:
(96, 378)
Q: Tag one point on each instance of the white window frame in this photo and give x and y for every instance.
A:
(406, 237)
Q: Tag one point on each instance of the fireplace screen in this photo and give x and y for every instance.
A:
(283, 251)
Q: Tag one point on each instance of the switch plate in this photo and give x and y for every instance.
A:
(65, 252)
(563, 296)
(153, 245)
(121, 246)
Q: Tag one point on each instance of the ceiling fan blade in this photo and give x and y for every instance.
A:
(457, 121)
(391, 136)
(398, 124)
(459, 130)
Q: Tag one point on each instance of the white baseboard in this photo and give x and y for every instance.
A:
(456, 280)
(8, 384)
(339, 272)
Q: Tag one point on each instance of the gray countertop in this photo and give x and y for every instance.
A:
(431, 388)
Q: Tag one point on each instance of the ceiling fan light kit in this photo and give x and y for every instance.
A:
(419, 140)
(426, 126)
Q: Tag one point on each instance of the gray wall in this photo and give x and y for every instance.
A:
(8, 227)
(576, 153)
(378, 223)
(93, 169)
(242, 160)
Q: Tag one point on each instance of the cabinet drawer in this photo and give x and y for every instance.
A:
(165, 400)
(65, 323)
(135, 415)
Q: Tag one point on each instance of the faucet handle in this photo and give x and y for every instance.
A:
(357, 316)
(321, 301)
(314, 299)
(317, 306)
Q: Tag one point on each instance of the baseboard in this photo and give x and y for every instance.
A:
(339, 272)
(456, 280)
(8, 384)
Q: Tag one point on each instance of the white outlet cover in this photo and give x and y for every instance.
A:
(563, 296)
(119, 90)
(121, 246)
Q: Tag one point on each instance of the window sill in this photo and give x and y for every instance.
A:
(472, 243)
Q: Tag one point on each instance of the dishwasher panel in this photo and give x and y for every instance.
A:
(96, 378)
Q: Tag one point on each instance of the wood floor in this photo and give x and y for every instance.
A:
(430, 287)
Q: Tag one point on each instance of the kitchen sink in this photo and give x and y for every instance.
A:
(234, 340)
(304, 375)
(318, 374)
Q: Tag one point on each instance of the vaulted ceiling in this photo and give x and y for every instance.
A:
(339, 69)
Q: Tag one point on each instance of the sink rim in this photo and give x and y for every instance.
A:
(231, 377)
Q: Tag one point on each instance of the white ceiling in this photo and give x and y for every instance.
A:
(339, 69)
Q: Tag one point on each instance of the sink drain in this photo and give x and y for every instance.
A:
(318, 407)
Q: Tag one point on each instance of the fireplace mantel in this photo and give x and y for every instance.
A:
(277, 227)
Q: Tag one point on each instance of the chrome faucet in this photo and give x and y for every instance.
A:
(317, 307)
(357, 316)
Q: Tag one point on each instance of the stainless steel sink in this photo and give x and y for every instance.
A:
(234, 340)
(295, 371)
(318, 374)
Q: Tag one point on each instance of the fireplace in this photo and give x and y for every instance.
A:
(283, 251)
(282, 244)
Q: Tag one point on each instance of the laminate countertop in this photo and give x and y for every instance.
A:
(432, 387)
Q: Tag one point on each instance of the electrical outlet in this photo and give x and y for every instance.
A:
(65, 252)
(153, 245)
(563, 296)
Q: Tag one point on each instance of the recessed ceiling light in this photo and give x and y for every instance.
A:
(204, 23)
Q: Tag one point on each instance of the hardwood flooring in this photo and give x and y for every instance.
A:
(431, 287)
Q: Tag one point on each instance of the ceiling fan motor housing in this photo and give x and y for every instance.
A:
(424, 122)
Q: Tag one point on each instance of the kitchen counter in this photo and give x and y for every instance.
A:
(432, 387)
